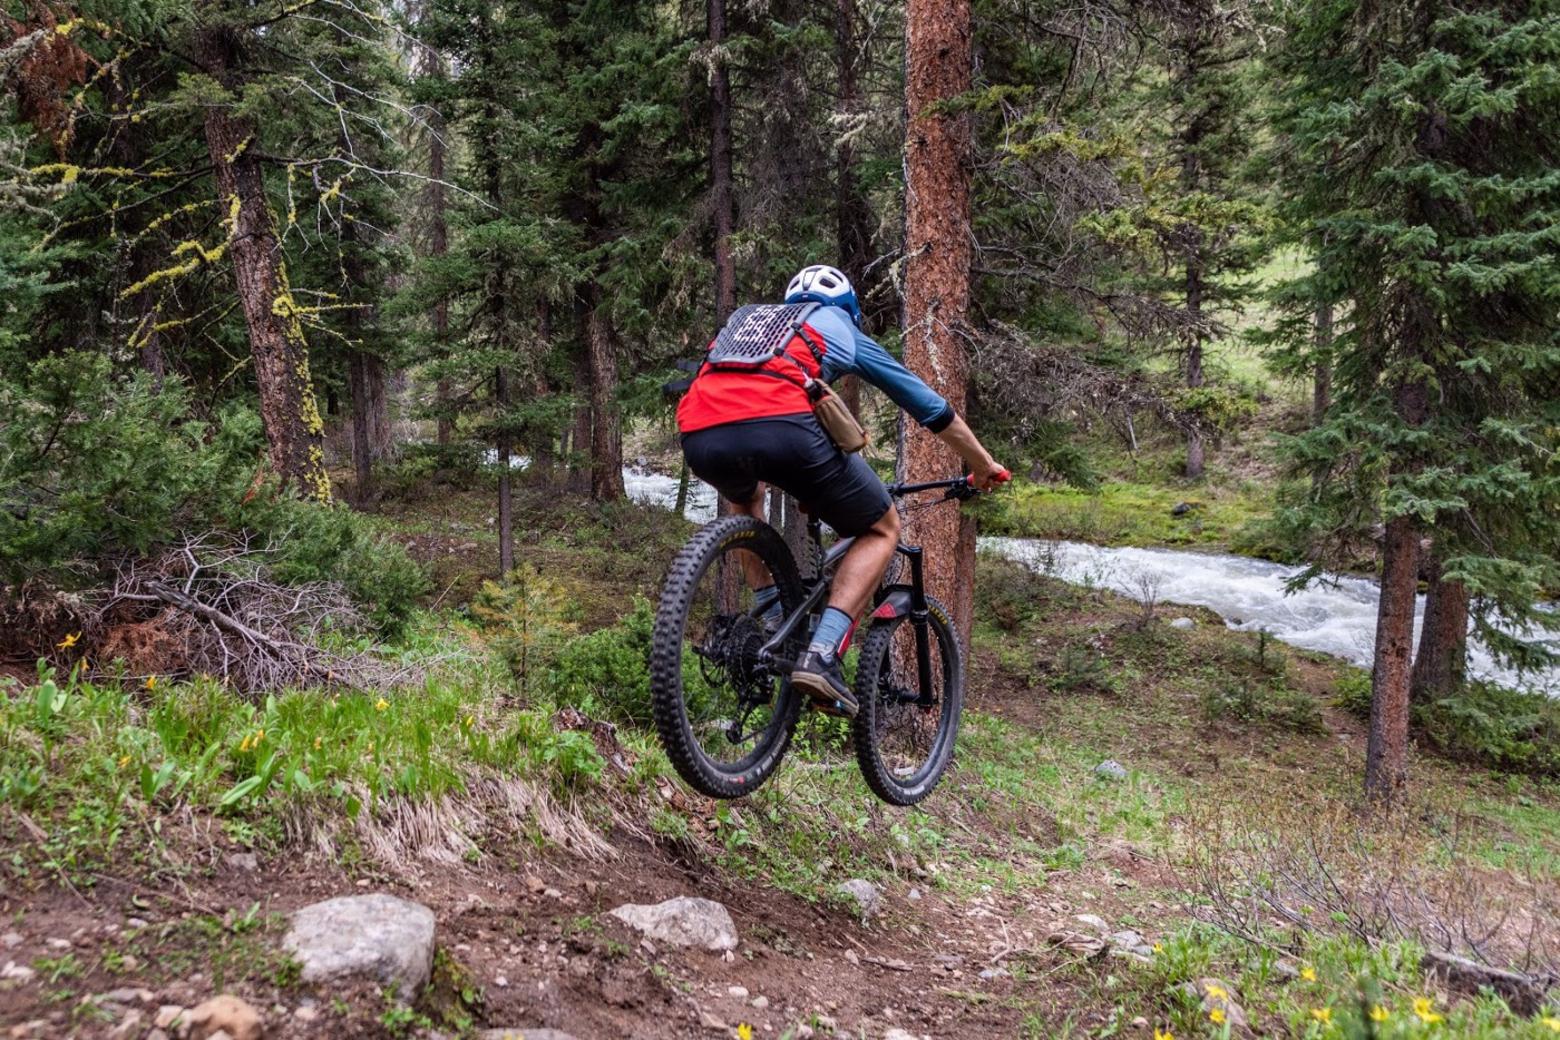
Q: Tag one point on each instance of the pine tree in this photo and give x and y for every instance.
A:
(1429, 133)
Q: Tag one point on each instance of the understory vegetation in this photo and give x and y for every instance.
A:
(1228, 840)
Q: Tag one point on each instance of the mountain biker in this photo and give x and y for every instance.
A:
(744, 428)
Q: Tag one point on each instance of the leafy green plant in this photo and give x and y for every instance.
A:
(607, 673)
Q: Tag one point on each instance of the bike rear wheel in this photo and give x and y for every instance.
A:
(724, 717)
(902, 744)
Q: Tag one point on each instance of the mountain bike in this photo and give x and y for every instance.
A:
(720, 663)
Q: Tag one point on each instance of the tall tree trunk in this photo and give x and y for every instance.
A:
(1321, 395)
(1386, 750)
(852, 214)
(294, 431)
(606, 435)
(720, 163)
(505, 447)
(1441, 664)
(439, 240)
(937, 277)
(579, 435)
(1194, 362)
(362, 422)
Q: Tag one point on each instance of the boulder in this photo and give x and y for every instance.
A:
(378, 936)
(683, 921)
(1182, 623)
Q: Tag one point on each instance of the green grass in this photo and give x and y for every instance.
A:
(1124, 513)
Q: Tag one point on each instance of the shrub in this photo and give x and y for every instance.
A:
(1505, 728)
(95, 467)
(527, 619)
(607, 673)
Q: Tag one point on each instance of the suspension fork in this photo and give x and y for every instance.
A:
(919, 618)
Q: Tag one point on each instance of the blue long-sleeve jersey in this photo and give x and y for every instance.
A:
(851, 352)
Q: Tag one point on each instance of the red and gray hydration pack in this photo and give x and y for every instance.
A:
(764, 363)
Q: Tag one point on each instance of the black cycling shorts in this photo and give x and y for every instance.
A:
(794, 454)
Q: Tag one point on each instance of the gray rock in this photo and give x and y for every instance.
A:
(1128, 943)
(1215, 993)
(375, 936)
(1094, 922)
(865, 893)
(1110, 769)
(132, 1025)
(990, 974)
(13, 972)
(11, 940)
(760, 1003)
(683, 921)
(1182, 623)
(1524, 993)
(518, 1033)
(242, 861)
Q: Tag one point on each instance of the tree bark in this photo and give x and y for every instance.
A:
(720, 163)
(937, 277)
(1386, 750)
(504, 446)
(362, 421)
(606, 435)
(1321, 395)
(1440, 666)
(438, 240)
(294, 431)
(1194, 364)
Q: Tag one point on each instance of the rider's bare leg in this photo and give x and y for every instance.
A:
(753, 569)
(864, 564)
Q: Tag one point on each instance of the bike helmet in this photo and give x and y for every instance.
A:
(827, 285)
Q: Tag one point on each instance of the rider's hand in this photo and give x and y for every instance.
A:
(989, 474)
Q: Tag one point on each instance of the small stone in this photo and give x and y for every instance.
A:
(128, 995)
(709, 1021)
(865, 893)
(243, 861)
(914, 895)
(1183, 623)
(13, 972)
(225, 1014)
(899, 1034)
(850, 955)
(524, 1033)
(683, 921)
(307, 1013)
(1093, 921)
(363, 882)
(535, 884)
(737, 992)
(990, 974)
(1215, 993)
(1140, 1022)
(11, 940)
(135, 922)
(1110, 769)
(168, 1016)
(129, 1026)
(27, 1029)
(552, 893)
(58, 944)
(1285, 970)
(501, 981)
(760, 1003)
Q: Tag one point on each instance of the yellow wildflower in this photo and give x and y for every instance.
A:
(68, 642)
(259, 737)
(1424, 1007)
(1308, 973)
(1379, 1013)
(471, 720)
(316, 743)
(1552, 1022)
(1216, 1016)
(124, 761)
(243, 745)
(151, 682)
(1166, 1035)
(1217, 992)
(1159, 947)
(1322, 1015)
(381, 704)
(744, 1031)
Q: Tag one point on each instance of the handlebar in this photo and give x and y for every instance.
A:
(953, 487)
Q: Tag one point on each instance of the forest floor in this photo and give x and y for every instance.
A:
(1229, 843)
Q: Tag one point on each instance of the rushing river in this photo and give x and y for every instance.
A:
(1336, 616)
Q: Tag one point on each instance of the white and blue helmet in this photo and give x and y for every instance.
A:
(820, 283)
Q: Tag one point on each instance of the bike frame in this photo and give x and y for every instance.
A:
(889, 601)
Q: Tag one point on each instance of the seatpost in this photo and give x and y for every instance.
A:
(918, 621)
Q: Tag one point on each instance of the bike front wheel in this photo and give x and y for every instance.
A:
(724, 715)
(904, 739)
